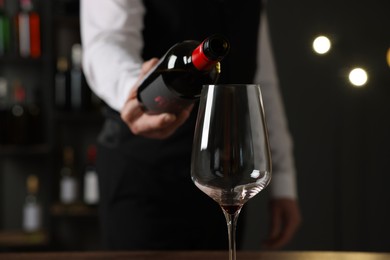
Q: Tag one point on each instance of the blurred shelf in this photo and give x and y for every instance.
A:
(13, 59)
(25, 150)
(77, 209)
(72, 21)
(16, 238)
(60, 28)
(78, 116)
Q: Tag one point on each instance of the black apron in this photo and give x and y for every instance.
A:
(148, 200)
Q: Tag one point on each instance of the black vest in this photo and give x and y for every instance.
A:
(170, 21)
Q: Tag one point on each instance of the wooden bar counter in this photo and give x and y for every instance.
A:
(196, 255)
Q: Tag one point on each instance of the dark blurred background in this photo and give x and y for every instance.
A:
(340, 132)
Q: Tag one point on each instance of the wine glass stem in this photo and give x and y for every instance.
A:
(231, 220)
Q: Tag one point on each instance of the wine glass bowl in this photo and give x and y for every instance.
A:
(231, 159)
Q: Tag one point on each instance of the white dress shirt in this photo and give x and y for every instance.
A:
(112, 44)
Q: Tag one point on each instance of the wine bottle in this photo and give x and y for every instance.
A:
(34, 115)
(176, 81)
(4, 103)
(35, 33)
(62, 85)
(28, 22)
(76, 78)
(4, 30)
(79, 92)
(68, 182)
(18, 116)
(23, 28)
(91, 189)
(32, 218)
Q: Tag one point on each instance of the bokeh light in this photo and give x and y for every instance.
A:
(358, 77)
(322, 44)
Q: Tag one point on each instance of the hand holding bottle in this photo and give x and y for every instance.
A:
(177, 80)
(156, 126)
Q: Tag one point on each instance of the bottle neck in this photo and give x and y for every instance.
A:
(200, 60)
(210, 52)
(19, 94)
(26, 5)
(2, 6)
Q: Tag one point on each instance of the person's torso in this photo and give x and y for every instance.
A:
(167, 22)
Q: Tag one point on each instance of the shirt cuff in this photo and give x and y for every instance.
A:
(283, 185)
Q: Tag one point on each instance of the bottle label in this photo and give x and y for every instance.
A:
(68, 190)
(24, 35)
(31, 217)
(76, 88)
(91, 187)
(158, 98)
(35, 36)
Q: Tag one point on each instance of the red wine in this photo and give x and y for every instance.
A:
(177, 80)
(232, 209)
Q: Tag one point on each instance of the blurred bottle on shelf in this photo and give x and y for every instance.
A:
(77, 81)
(17, 116)
(4, 103)
(28, 30)
(34, 116)
(68, 178)
(62, 85)
(21, 115)
(91, 183)
(32, 215)
(4, 30)
(72, 92)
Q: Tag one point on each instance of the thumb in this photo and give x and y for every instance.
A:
(145, 68)
(148, 65)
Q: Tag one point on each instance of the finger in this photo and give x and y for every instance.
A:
(280, 240)
(148, 124)
(148, 65)
(156, 126)
(170, 127)
(145, 68)
(183, 116)
(276, 222)
(140, 122)
(285, 236)
(275, 226)
(288, 215)
(131, 111)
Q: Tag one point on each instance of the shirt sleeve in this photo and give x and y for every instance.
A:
(283, 183)
(112, 43)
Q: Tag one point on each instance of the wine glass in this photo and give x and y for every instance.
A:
(231, 159)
